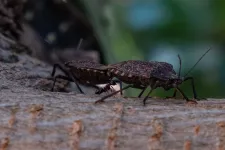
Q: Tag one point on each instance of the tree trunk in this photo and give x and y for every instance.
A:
(31, 118)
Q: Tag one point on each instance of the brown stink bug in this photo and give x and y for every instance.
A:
(85, 72)
(141, 74)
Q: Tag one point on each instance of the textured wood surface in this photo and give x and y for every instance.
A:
(31, 118)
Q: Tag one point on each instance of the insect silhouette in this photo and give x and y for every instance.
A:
(85, 72)
(153, 74)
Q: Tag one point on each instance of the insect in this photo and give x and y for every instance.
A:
(85, 72)
(153, 74)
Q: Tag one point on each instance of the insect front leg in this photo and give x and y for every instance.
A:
(182, 93)
(174, 95)
(193, 87)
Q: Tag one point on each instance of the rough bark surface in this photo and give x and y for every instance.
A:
(31, 118)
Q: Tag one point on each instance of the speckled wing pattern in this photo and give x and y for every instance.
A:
(146, 69)
(164, 71)
(84, 64)
(133, 68)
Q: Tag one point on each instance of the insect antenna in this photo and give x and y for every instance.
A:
(180, 65)
(79, 44)
(197, 62)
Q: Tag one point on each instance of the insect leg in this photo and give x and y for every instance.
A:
(60, 77)
(121, 86)
(60, 67)
(182, 93)
(67, 74)
(107, 96)
(144, 101)
(155, 84)
(75, 81)
(142, 92)
(174, 94)
(193, 86)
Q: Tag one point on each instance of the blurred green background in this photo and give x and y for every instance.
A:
(160, 30)
(151, 30)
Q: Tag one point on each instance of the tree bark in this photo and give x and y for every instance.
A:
(31, 118)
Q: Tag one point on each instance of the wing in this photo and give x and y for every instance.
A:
(164, 71)
(133, 67)
(146, 69)
(84, 64)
